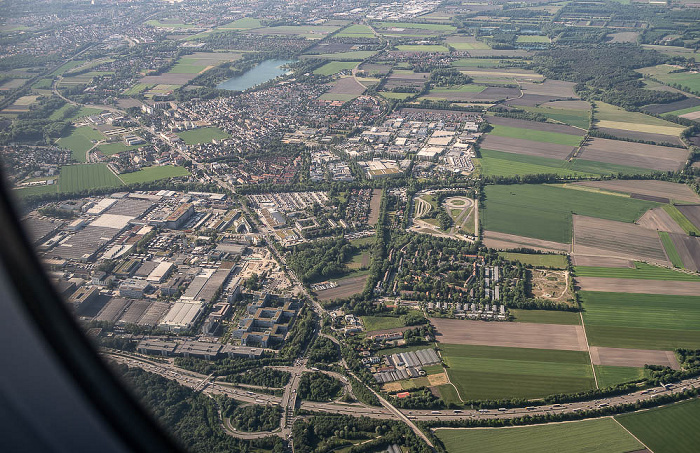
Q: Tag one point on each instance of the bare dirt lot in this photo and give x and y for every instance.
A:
(551, 285)
(632, 357)
(600, 261)
(670, 190)
(504, 241)
(617, 239)
(345, 288)
(647, 136)
(658, 219)
(689, 249)
(374, 205)
(526, 147)
(692, 212)
(507, 334)
(536, 126)
(662, 158)
(630, 285)
(347, 85)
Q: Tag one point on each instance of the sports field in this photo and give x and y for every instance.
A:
(202, 135)
(153, 174)
(79, 141)
(535, 135)
(643, 321)
(538, 260)
(489, 372)
(668, 429)
(335, 67)
(600, 435)
(373, 323)
(545, 212)
(75, 178)
(641, 271)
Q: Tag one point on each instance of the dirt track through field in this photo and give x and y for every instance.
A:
(632, 357)
(630, 285)
(510, 334)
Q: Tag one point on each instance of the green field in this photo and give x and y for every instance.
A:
(489, 372)
(535, 136)
(136, 89)
(391, 95)
(158, 23)
(334, 67)
(373, 323)
(448, 394)
(188, 65)
(356, 31)
(532, 38)
(479, 62)
(36, 190)
(499, 163)
(641, 271)
(202, 135)
(546, 316)
(468, 45)
(338, 97)
(671, 251)
(622, 119)
(578, 118)
(43, 84)
(668, 429)
(422, 48)
(545, 212)
(682, 220)
(79, 141)
(609, 376)
(643, 321)
(75, 178)
(67, 67)
(663, 73)
(153, 174)
(601, 168)
(536, 260)
(600, 435)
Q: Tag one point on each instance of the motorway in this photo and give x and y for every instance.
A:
(203, 384)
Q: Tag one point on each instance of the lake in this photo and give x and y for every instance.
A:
(267, 70)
